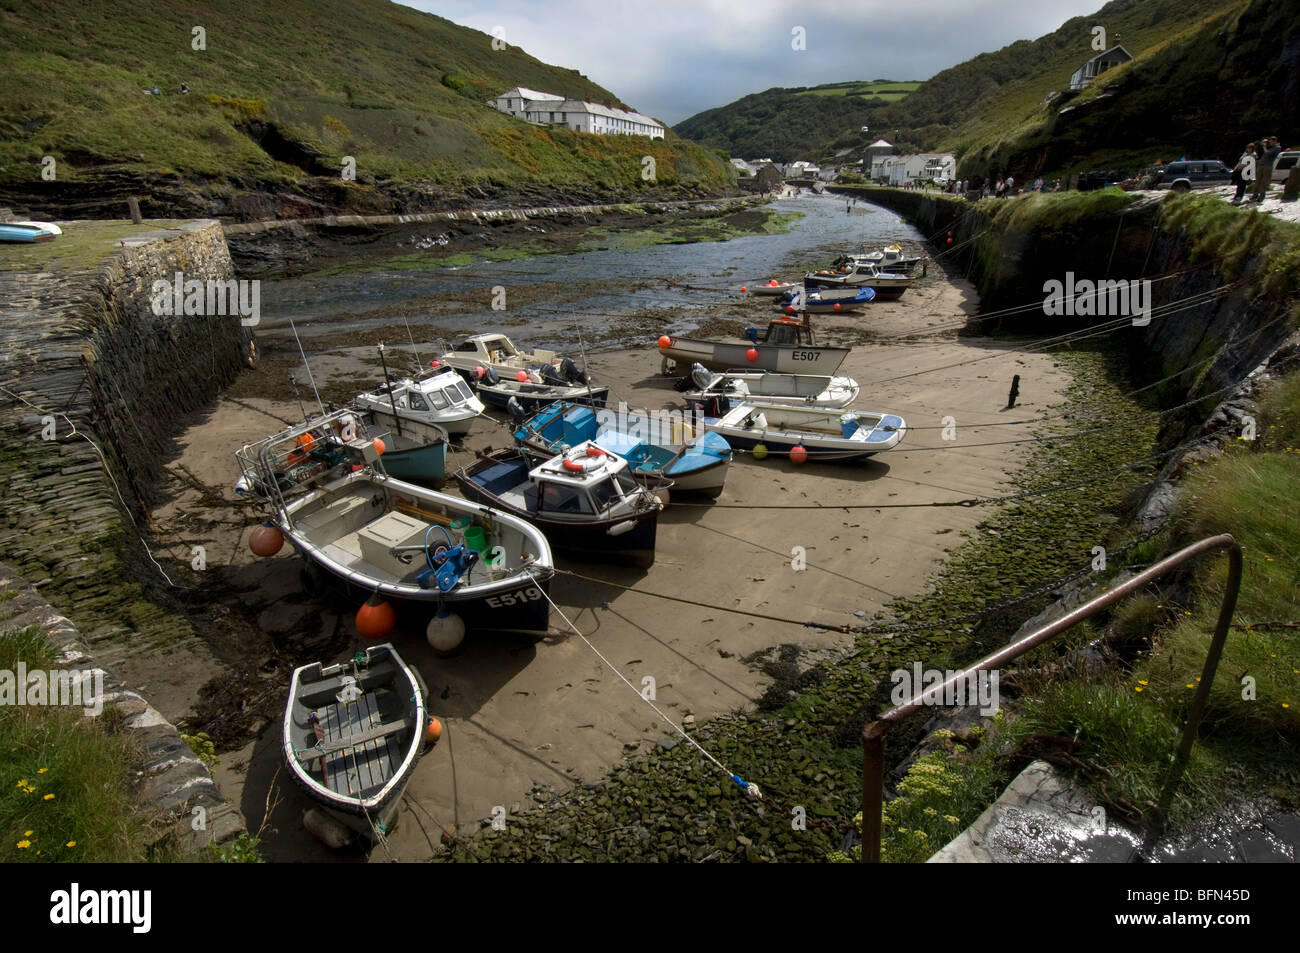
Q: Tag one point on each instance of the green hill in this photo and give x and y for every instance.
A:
(282, 92)
(805, 122)
(1207, 75)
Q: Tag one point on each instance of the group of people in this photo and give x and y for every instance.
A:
(1255, 169)
(185, 88)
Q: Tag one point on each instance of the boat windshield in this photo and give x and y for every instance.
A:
(605, 494)
(564, 499)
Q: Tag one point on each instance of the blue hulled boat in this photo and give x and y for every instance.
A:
(656, 450)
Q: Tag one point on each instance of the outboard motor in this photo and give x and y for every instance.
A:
(490, 377)
(752, 334)
(572, 373)
(552, 376)
(699, 375)
(516, 411)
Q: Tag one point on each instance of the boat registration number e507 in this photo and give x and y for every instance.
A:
(806, 355)
(531, 594)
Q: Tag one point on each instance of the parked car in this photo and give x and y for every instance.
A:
(1284, 164)
(1188, 174)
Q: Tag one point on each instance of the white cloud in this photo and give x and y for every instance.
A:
(674, 58)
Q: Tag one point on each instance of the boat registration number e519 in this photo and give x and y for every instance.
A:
(531, 594)
(806, 355)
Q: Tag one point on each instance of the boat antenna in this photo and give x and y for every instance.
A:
(418, 361)
(392, 398)
(585, 371)
(308, 366)
(293, 385)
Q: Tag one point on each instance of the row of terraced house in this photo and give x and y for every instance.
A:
(547, 109)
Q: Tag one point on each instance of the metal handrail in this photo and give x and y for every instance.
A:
(874, 733)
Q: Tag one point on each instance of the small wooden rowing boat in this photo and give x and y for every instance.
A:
(353, 734)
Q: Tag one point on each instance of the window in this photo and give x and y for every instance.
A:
(467, 346)
(463, 390)
(564, 499)
(416, 402)
(438, 400)
(605, 494)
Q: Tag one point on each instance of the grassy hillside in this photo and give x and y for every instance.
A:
(285, 90)
(798, 123)
(978, 107)
(1202, 90)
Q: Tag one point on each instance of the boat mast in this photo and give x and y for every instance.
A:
(392, 398)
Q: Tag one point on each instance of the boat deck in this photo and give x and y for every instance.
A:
(360, 767)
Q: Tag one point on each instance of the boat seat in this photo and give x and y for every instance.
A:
(326, 748)
(337, 517)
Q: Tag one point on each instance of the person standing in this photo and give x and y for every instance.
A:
(1011, 184)
(1243, 173)
(1270, 149)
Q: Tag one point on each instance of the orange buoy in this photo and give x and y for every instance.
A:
(265, 540)
(305, 442)
(433, 732)
(743, 288)
(522, 377)
(772, 283)
(380, 446)
(835, 306)
(376, 618)
(665, 341)
(751, 355)
(479, 372)
(789, 309)
(798, 454)
(435, 363)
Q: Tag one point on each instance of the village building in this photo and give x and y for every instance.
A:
(922, 167)
(1094, 67)
(547, 109)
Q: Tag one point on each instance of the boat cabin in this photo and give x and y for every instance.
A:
(491, 349)
(786, 331)
(584, 482)
(440, 392)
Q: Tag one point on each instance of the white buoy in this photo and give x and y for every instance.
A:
(445, 632)
(330, 832)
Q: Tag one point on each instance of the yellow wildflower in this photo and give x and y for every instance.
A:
(24, 844)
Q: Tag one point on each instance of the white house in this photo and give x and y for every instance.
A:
(802, 170)
(923, 167)
(579, 115)
(1094, 67)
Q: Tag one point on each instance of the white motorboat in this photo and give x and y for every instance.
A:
(829, 435)
(441, 399)
(763, 388)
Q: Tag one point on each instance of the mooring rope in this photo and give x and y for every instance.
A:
(748, 787)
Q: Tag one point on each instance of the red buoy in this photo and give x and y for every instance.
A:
(798, 455)
(376, 618)
(751, 355)
(522, 377)
(379, 446)
(789, 309)
(743, 288)
(265, 540)
(835, 306)
(665, 341)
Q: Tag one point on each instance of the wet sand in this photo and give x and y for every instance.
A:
(518, 713)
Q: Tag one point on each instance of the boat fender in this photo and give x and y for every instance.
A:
(618, 529)
(329, 831)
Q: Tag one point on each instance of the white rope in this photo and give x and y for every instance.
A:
(751, 788)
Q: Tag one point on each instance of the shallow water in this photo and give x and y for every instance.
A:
(597, 288)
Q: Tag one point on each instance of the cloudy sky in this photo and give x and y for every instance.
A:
(674, 58)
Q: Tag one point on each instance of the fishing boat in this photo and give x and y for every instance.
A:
(353, 734)
(829, 435)
(889, 259)
(26, 232)
(439, 402)
(763, 388)
(496, 353)
(548, 387)
(773, 287)
(859, 274)
(328, 493)
(826, 302)
(585, 499)
(417, 455)
(655, 454)
(788, 346)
